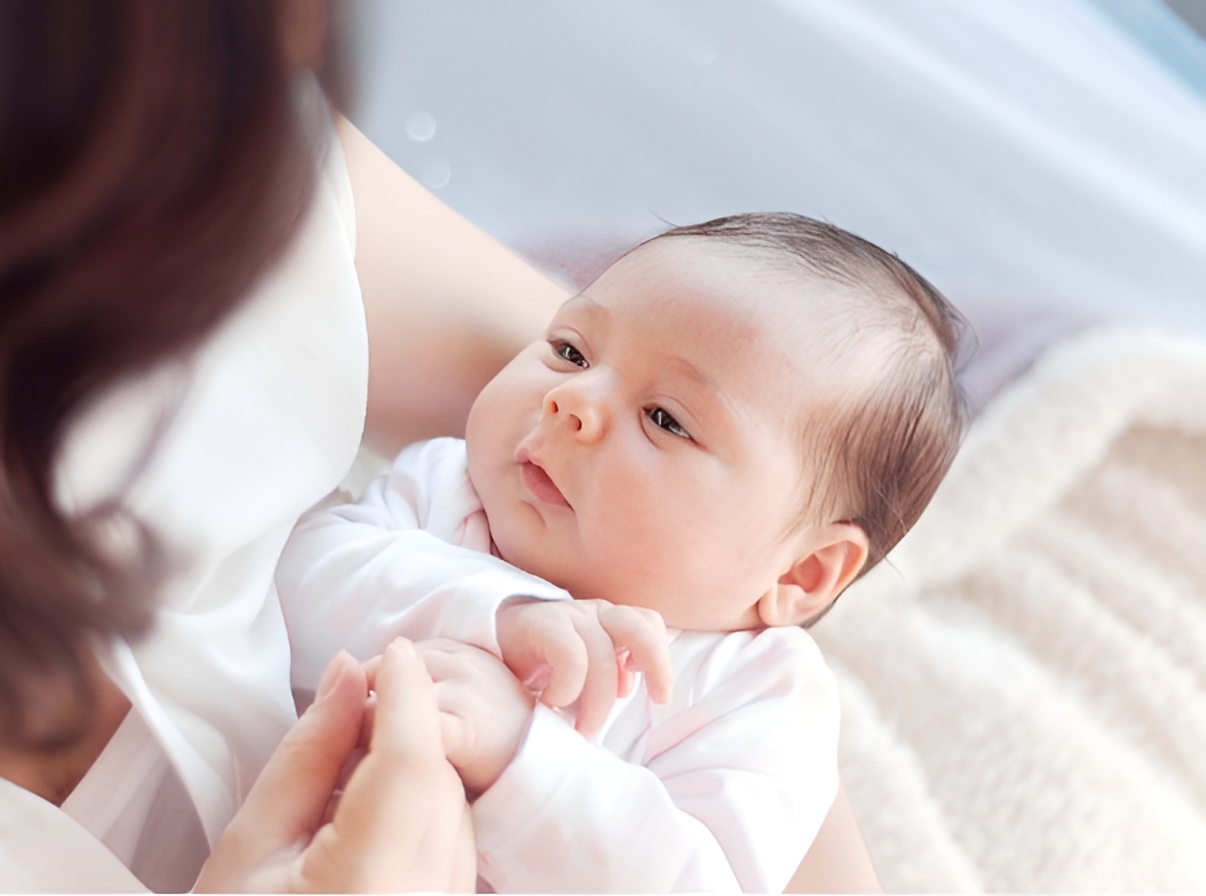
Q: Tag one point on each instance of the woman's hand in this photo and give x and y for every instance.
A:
(401, 822)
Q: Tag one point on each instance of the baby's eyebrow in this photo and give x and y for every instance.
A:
(584, 304)
(581, 298)
(693, 372)
(716, 400)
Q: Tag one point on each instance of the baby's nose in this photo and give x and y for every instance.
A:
(574, 411)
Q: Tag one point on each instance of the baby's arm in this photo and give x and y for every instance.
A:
(409, 558)
(724, 791)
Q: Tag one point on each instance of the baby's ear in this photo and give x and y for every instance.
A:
(835, 556)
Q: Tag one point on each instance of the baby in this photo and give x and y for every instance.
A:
(715, 438)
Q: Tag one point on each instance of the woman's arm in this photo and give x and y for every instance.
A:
(837, 861)
(447, 305)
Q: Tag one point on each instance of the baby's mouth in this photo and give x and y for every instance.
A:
(540, 485)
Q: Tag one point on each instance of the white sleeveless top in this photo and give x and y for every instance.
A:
(260, 423)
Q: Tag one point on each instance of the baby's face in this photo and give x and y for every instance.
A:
(648, 451)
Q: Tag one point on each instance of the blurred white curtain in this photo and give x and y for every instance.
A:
(1032, 150)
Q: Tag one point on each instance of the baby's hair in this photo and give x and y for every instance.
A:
(876, 452)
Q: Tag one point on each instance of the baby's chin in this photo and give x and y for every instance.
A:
(579, 582)
(521, 555)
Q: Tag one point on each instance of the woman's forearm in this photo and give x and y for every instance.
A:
(447, 305)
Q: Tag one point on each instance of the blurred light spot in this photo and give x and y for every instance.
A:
(434, 174)
(420, 126)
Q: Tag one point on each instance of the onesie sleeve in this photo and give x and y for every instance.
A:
(725, 790)
(408, 559)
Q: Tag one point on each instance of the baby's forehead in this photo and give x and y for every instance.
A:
(747, 272)
(691, 249)
(753, 310)
(760, 287)
(834, 330)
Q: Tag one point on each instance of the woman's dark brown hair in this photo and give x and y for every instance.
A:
(151, 167)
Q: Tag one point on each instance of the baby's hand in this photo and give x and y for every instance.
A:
(584, 650)
(484, 710)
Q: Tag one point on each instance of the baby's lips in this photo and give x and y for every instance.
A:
(541, 486)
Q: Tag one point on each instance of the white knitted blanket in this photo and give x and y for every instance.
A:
(1024, 684)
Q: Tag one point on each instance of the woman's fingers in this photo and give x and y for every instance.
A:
(289, 800)
(292, 792)
(406, 713)
(402, 823)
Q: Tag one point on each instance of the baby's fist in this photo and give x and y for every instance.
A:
(585, 651)
(484, 710)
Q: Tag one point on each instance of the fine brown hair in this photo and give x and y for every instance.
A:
(152, 166)
(875, 456)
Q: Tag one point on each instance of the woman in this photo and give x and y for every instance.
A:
(184, 367)
(207, 298)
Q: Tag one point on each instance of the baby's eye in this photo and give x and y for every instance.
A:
(567, 352)
(662, 419)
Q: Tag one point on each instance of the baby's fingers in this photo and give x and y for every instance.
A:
(601, 684)
(542, 648)
(642, 634)
(565, 667)
(547, 653)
